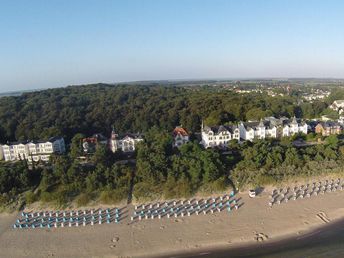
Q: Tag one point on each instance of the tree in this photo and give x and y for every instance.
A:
(255, 114)
(332, 140)
(76, 149)
(292, 157)
(103, 156)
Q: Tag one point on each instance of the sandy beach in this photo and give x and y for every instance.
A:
(156, 237)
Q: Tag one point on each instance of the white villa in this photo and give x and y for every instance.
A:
(33, 150)
(257, 130)
(219, 136)
(294, 127)
(270, 127)
(126, 143)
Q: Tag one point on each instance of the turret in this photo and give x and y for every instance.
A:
(113, 134)
(113, 141)
(261, 124)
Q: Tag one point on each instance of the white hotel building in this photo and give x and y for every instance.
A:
(257, 130)
(270, 127)
(32, 151)
(294, 127)
(219, 136)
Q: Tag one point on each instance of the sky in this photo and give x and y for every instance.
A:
(56, 43)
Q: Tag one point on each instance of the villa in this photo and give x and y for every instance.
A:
(127, 143)
(219, 136)
(328, 128)
(32, 150)
(180, 136)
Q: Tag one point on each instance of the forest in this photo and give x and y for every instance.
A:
(158, 171)
(96, 108)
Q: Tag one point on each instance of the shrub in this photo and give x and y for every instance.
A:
(145, 191)
(113, 196)
(46, 197)
(60, 198)
(30, 197)
(83, 199)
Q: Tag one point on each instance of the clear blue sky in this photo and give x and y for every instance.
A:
(55, 43)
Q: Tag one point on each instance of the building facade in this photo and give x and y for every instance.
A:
(338, 105)
(257, 130)
(270, 127)
(328, 128)
(33, 150)
(89, 144)
(219, 136)
(180, 136)
(126, 144)
(293, 127)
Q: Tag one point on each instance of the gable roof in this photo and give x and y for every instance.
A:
(256, 124)
(135, 136)
(328, 124)
(339, 102)
(180, 130)
(220, 128)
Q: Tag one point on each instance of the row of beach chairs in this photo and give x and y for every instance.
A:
(181, 208)
(49, 219)
(284, 195)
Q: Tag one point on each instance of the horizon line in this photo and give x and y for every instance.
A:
(219, 79)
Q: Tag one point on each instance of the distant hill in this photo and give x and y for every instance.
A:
(16, 93)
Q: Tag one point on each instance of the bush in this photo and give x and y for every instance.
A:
(144, 191)
(60, 198)
(217, 186)
(311, 137)
(113, 196)
(3, 199)
(83, 199)
(30, 197)
(46, 197)
(264, 180)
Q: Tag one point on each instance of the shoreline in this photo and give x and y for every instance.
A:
(253, 249)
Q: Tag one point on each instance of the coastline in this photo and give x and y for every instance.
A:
(214, 233)
(254, 249)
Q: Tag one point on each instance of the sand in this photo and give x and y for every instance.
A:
(149, 238)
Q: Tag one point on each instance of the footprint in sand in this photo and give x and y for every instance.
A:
(115, 239)
(322, 215)
(260, 237)
(179, 240)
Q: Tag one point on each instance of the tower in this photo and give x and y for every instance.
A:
(113, 141)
